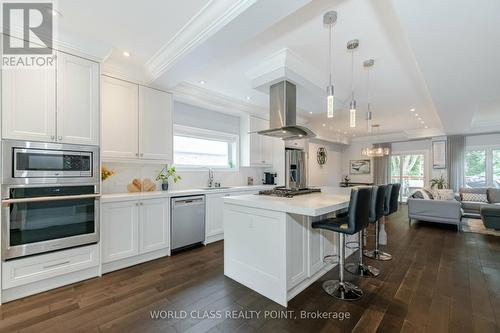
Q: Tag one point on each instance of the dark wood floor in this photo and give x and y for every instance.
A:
(438, 281)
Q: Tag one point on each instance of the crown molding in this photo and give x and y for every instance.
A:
(286, 64)
(191, 94)
(402, 136)
(208, 21)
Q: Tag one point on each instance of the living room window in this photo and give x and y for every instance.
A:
(482, 167)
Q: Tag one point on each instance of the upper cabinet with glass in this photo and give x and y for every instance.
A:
(136, 122)
(57, 104)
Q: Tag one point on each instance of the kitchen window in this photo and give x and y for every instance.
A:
(482, 167)
(196, 148)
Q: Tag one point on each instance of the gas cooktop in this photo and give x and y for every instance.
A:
(287, 193)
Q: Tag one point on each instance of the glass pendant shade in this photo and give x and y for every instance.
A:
(352, 114)
(329, 101)
(369, 122)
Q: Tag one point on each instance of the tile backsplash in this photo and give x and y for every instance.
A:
(125, 173)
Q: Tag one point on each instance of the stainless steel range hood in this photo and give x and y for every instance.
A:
(283, 113)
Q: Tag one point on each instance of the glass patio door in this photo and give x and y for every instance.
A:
(409, 170)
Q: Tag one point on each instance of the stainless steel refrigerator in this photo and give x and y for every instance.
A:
(295, 169)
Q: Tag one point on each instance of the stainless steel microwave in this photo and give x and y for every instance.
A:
(26, 162)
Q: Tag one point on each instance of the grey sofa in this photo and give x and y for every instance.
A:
(472, 208)
(490, 215)
(438, 211)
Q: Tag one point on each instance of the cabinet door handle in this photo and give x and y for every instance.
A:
(141, 203)
(136, 154)
(137, 204)
(142, 154)
(59, 138)
(55, 265)
(52, 137)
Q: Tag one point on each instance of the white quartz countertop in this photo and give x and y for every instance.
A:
(314, 204)
(115, 197)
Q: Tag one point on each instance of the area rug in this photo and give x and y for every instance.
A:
(476, 226)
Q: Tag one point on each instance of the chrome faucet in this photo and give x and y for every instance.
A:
(210, 178)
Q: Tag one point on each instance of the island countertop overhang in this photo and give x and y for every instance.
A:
(314, 204)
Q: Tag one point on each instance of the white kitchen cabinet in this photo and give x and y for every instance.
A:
(137, 122)
(214, 227)
(77, 100)
(120, 230)
(155, 124)
(154, 233)
(120, 128)
(131, 230)
(297, 251)
(36, 106)
(256, 149)
(29, 103)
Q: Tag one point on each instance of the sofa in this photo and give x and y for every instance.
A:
(424, 206)
(472, 199)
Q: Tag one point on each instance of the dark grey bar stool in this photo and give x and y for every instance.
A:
(356, 219)
(376, 212)
(391, 204)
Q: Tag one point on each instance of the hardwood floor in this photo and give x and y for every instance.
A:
(438, 281)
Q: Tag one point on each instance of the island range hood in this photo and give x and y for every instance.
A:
(283, 113)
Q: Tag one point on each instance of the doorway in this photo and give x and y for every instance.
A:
(409, 169)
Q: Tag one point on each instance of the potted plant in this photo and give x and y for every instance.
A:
(165, 174)
(440, 183)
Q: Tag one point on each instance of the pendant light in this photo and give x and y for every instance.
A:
(368, 64)
(376, 151)
(329, 19)
(352, 46)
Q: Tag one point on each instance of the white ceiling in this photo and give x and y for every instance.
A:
(441, 59)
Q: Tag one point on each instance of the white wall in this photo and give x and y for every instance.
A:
(329, 174)
(483, 140)
(353, 152)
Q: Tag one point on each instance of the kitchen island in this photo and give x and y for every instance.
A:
(270, 246)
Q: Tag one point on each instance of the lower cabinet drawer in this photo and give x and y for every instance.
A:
(22, 271)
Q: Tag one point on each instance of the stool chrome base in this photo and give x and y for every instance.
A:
(342, 290)
(362, 270)
(377, 255)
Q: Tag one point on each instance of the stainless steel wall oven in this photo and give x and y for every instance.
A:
(50, 197)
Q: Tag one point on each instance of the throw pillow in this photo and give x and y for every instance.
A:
(476, 197)
(446, 194)
(431, 193)
(417, 194)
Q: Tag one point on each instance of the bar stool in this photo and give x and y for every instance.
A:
(376, 253)
(356, 219)
(376, 212)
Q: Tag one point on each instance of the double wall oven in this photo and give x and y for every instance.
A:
(50, 197)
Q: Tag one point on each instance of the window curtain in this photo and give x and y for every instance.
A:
(455, 157)
(381, 167)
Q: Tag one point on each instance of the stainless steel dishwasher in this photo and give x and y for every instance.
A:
(187, 221)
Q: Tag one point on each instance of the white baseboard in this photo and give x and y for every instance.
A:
(127, 262)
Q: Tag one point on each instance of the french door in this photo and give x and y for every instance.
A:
(409, 169)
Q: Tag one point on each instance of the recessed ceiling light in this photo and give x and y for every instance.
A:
(416, 114)
(202, 82)
(249, 98)
(419, 118)
(323, 125)
(126, 54)
(412, 109)
(426, 126)
(310, 112)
